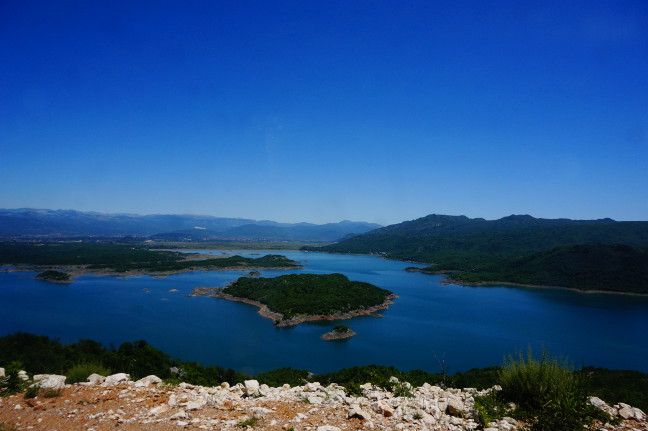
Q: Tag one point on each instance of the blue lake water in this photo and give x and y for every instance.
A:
(466, 327)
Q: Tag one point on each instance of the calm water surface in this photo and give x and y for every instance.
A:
(465, 326)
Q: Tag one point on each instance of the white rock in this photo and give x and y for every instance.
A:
(2, 372)
(251, 387)
(159, 409)
(179, 415)
(382, 407)
(455, 406)
(49, 381)
(23, 375)
(328, 428)
(95, 379)
(182, 423)
(225, 385)
(148, 381)
(356, 412)
(626, 411)
(260, 411)
(194, 405)
(18, 407)
(115, 379)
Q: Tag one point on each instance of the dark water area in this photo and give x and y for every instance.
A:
(466, 327)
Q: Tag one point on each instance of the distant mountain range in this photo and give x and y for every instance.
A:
(44, 222)
(584, 254)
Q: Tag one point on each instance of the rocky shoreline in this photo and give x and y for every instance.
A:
(104, 403)
(278, 318)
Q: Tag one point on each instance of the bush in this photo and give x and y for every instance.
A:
(547, 392)
(80, 372)
(12, 382)
(489, 407)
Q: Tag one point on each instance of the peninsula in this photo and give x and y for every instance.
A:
(53, 259)
(295, 298)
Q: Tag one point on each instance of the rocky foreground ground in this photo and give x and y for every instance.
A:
(116, 402)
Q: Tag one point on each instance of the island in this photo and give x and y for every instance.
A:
(296, 298)
(339, 332)
(80, 258)
(54, 277)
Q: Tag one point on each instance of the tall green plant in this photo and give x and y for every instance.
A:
(547, 392)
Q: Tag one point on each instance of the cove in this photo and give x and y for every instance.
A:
(430, 323)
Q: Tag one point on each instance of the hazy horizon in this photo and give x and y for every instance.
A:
(326, 111)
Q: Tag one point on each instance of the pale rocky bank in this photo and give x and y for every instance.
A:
(116, 402)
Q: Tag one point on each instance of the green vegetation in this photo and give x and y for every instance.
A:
(238, 245)
(520, 378)
(80, 372)
(585, 267)
(122, 257)
(582, 254)
(547, 392)
(12, 383)
(341, 329)
(56, 276)
(252, 421)
(7, 427)
(309, 294)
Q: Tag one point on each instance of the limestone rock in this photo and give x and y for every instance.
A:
(382, 407)
(49, 381)
(148, 381)
(95, 379)
(455, 406)
(116, 379)
(356, 412)
(251, 387)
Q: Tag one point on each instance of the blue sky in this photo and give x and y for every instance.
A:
(324, 111)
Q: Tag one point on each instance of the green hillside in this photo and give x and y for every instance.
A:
(517, 248)
(586, 267)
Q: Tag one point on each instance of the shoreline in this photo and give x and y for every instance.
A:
(81, 270)
(277, 318)
(448, 280)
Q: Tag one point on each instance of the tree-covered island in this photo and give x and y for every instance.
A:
(124, 259)
(296, 298)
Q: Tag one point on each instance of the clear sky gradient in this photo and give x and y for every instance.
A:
(323, 111)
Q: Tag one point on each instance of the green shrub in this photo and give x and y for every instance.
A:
(489, 408)
(80, 372)
(12, 383)
(4, 426)
(249, 422)
(547, 392)
(32, 391)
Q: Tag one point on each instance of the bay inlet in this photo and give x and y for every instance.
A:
(464, 327)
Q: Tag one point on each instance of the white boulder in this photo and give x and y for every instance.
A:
(95, 379)
(148, 381)
(251, 387)
(49, 381)
(116, 379)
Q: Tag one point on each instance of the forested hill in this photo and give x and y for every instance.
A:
(441, 238)
(487, 249)
(605, 267)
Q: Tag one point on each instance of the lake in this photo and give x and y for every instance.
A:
(430, 323)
